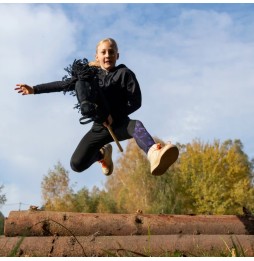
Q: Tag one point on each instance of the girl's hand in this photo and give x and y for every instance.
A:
(24, 89)
(108, 122)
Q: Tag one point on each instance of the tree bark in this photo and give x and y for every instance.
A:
(47, 223)
(156, 245)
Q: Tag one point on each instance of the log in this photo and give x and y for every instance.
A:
(48, 223)
(156, 245)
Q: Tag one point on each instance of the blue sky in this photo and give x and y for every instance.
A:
(194, 63)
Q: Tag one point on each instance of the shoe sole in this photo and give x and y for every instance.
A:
(167, 159)
(111, 162)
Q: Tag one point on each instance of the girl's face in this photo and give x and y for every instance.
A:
(106, 55)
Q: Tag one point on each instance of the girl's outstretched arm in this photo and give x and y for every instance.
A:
(24, 89)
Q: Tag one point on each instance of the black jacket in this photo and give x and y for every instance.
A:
(119, 86)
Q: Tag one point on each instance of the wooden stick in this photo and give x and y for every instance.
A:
(114, 138)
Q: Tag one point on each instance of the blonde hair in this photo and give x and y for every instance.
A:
(111, 41)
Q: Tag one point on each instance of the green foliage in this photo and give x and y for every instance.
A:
(95, 201)
(2, 201)
(2, 196)
(1, 223)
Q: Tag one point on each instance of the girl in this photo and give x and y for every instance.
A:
(121, 90)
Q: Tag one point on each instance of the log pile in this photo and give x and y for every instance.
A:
(45, 233)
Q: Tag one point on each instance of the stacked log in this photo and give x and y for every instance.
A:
(45, 233)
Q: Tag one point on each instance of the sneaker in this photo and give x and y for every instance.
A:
(107, 163)
(161, 158)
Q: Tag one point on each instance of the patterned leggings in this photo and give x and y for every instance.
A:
(88, 150)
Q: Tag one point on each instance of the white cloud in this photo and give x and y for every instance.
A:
(200, 85)
(36, 43)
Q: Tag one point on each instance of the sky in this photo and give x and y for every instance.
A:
(194, 63)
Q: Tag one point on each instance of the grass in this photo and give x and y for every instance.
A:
(14, 251)
(237, 249)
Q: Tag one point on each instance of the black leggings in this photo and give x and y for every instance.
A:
(88, 150)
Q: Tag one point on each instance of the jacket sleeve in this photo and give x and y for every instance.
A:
(134, 98)
(56, 86)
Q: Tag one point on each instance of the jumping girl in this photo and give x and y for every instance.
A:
(122, 95)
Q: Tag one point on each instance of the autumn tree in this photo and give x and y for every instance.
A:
(56, 190)
(58, 195)
(206, 179)
(133, 187)
(215, 178)
(127, 184)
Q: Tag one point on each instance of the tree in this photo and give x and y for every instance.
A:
(93, 201)
(215, 178)
(1, 223)
(106, 203)
(56, 191)
(206, 179)
(58, 195)
(126, 184)
(2, 201)
(133, 187)
(81, 200)
(2, 196)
